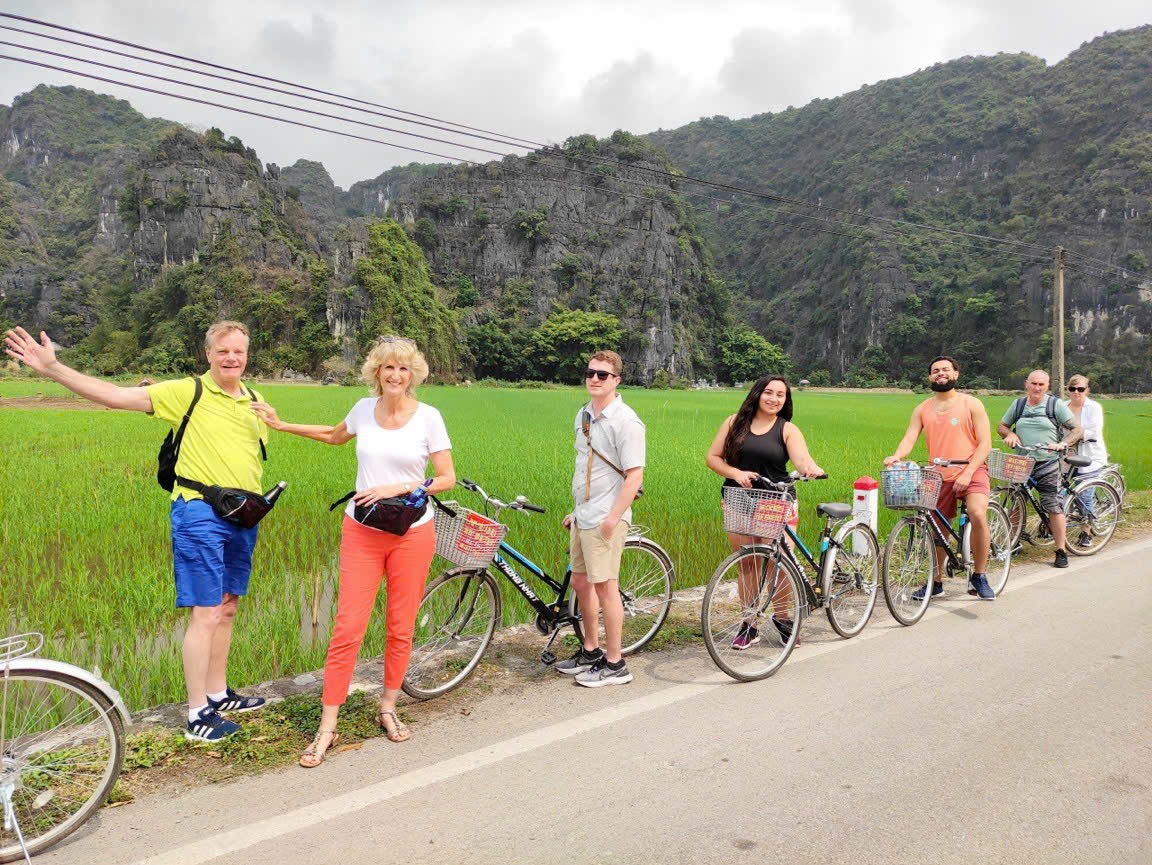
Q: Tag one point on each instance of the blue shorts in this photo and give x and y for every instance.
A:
(210, 556)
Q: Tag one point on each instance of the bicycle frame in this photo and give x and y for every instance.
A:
(551, 613)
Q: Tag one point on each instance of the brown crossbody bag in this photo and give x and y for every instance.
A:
(586, 426)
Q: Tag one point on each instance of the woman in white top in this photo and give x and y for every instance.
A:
(396, 436)
(1091, 418)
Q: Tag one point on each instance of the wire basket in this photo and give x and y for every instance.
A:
(1014, 468)
(911, 488)
(760, 513)
(468, 539)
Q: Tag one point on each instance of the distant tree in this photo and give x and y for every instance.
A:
(745, 355)
(561, 345)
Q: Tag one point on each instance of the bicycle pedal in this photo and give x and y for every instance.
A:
(548, 658)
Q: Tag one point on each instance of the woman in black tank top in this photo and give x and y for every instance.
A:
(760, 439)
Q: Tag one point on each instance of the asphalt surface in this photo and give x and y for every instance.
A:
(1016, 731)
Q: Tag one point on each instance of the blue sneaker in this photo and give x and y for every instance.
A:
(210, 726)
(234, 702)
(978, 586)
(937, 592)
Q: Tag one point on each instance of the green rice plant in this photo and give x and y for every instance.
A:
(84, 541)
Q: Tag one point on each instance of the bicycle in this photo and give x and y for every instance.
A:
(61, 747)
(462, 607)
(910, 564)
(766, 575)
(1091, 506)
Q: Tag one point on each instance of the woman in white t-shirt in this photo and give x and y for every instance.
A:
(1090, 415)
(396, 436)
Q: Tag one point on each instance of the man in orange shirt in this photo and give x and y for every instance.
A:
(955, 427)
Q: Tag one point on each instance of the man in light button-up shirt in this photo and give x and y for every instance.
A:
(609, 472)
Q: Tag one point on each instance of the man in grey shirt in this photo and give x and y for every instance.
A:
(609, 472)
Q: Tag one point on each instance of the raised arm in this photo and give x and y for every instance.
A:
(41, 357)
(915, 427)
(329, 435)
(798, 451)
(715, 459)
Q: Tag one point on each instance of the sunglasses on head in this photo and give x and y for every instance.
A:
(1077, 389)
(601, 374)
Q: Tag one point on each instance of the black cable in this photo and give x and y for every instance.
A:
(255, 99)
(231, 80)
(660, 172)
(529, 158)
(127, 44)
(235, 108)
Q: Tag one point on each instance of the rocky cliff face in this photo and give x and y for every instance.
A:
(1001, 146)
(615, 239)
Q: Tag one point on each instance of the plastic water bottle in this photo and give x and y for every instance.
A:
(418, 496)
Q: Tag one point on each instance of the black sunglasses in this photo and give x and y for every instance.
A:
(601, 374)
(1077, 389)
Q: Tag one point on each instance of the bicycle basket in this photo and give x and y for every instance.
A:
(760, 513)
(468, 539)
(911, 488)
(1014, 468)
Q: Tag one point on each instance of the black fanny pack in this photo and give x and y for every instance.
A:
(394, 515)
(240, 507)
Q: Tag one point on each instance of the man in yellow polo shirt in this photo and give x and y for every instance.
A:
(212, 557)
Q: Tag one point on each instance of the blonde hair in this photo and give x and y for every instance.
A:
(395, 348)
(1079, 380)
(610, 358)
(221, 328)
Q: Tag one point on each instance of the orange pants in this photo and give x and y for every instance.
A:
(366, 555)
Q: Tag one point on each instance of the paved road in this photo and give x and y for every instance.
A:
(1015, 732)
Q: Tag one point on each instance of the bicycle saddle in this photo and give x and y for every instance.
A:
(835, 510)
(1077, 460)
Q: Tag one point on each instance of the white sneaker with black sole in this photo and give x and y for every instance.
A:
(579, 662)
(602, 673)
(210, 726)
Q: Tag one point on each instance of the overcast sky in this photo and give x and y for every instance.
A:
(541, 69)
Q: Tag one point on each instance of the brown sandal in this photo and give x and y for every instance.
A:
(398, 731)
(313, 756)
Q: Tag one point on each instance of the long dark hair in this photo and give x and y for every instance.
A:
(734, 441)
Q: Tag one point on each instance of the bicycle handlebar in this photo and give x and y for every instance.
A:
(945, 463)
(794, 477)
(520, 503)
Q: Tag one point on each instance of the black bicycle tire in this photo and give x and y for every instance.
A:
(104, 705)
(420, 693)
(842, 536)
(709, 642)
(669, 572)
(920, 520)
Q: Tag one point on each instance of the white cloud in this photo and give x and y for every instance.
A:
(549, 69)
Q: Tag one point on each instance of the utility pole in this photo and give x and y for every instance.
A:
(1058, 324)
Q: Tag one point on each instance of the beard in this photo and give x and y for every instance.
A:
(943, 386)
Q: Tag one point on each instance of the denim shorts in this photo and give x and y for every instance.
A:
(210, 556)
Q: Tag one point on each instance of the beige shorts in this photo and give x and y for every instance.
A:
(592, 555)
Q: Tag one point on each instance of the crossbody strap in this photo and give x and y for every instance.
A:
(199, 389)
(586, 425)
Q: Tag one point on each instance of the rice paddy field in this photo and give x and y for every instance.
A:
(84, 543)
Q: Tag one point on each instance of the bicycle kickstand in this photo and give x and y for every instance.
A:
(10, 822)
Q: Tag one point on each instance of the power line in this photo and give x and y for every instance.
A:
(127, 44)
(125, 54)
(507, 139)
(254, 99)
(530, 158)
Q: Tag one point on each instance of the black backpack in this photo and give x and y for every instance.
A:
(170, 450)
(1049, 410)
